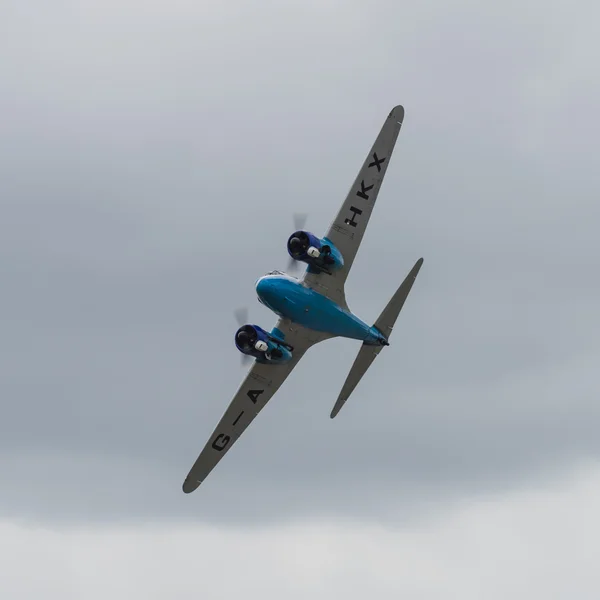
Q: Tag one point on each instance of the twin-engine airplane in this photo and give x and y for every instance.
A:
(311, 309)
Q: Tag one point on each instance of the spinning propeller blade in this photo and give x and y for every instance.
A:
(241, 316)
(292, 266)
(299, 223)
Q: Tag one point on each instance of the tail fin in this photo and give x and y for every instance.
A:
(384, 324)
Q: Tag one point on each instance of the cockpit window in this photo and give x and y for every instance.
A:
(275, 273)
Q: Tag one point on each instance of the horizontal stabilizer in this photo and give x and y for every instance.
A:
(386, 321)
(384, 324)
(366, 356)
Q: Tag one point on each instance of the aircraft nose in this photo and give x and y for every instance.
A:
(263, 287)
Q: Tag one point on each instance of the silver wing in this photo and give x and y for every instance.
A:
(259, 386)
(348, 227)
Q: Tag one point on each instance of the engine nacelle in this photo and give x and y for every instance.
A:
(263, 346)
(318, 254)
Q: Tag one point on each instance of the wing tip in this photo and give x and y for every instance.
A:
(417, 267)
(337, 406)
(189, 485)
(397, 113)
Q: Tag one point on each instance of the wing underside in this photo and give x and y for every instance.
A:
(258, 387)
(347, 229)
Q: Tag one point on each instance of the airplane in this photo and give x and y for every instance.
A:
(311, 309)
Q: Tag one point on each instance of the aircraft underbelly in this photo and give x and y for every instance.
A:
(330, 320)
(312, 310)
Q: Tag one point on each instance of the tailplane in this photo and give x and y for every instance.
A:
(384, 325)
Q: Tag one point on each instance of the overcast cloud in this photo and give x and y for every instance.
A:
(151, 157)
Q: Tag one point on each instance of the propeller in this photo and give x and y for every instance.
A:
(241, 316)
(299, 223)
(293, 266)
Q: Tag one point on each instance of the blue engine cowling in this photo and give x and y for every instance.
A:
(266, 348)
(318, 254)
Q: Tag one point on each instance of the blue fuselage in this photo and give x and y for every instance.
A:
(288, 298)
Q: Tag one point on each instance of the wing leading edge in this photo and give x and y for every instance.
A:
(347, 229)
(259, 386)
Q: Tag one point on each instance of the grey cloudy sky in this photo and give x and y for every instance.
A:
(151, 157)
